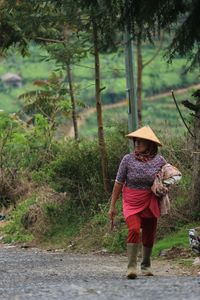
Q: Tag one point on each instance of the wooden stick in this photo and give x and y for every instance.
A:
(181, 114)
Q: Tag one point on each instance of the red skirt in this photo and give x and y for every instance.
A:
(140, 201)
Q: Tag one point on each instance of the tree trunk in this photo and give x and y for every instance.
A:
(140, 66)
(71, 91)
(102, 145)
(196, 158)
(139, 79)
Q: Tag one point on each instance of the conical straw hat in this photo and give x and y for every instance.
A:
(145, 133)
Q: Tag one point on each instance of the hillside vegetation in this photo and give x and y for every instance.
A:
(64, 204)
(157, 76)
(160, 113)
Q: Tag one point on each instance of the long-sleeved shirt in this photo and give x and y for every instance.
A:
(137, 174)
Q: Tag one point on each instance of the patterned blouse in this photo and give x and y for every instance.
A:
(137, 174)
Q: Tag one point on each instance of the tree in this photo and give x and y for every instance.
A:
(90, 17)
(73, 102)
(49, 100)
(22, 21)
(94, 20)
(195, 108)
(66, 54)
(101, 21)
(64, 49)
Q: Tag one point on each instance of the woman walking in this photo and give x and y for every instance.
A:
(134, 179)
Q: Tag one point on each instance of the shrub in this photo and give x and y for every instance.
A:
(45, 212)
(77, 169)
(15, 231)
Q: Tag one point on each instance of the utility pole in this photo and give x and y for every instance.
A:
(130, 83)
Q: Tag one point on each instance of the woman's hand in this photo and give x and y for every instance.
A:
(112, 212)
(115, 195)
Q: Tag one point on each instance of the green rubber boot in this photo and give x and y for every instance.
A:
(132, 251)
(146, 261)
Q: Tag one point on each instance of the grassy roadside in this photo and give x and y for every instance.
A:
(86, 234)
(174, 240)
(93, 234)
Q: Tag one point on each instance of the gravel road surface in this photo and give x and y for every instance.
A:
(36, 274)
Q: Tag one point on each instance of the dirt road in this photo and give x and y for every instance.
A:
(35, 274)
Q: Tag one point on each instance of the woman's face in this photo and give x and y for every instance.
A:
(141, 145)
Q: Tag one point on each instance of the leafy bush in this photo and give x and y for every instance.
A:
(77, 168)
(23, 147)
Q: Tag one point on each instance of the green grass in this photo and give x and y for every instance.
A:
(116, 241)
(14, 232)
(177, 239)
(63, 229)
(96, 234)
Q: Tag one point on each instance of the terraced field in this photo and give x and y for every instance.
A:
(158, 112)
(157, 77)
